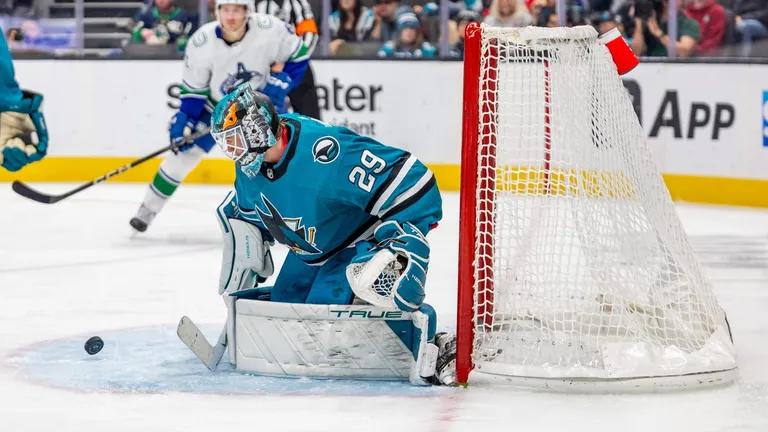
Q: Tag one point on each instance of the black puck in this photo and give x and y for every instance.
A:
(94, 345)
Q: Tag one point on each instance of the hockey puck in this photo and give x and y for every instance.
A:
(94, 345)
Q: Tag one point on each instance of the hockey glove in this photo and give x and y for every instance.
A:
(23, 133)
(277, 88)
(181, 129)
(394, 272)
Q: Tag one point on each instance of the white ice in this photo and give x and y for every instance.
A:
(71, 270)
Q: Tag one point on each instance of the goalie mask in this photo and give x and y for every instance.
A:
(245, 126)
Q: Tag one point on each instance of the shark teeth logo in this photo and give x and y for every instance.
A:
(325, 150)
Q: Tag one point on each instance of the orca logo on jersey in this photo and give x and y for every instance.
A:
(288, 231)
(325, 150)
(234, 80)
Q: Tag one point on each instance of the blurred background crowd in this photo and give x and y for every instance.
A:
(386, 28)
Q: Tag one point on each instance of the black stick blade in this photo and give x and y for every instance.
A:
(27, 192)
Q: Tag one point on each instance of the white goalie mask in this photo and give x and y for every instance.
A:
(245, 125)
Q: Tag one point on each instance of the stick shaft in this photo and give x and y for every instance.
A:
(27, 192)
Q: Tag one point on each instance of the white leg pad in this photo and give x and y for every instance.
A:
(328, 341)
(426, 362)
(229, 302)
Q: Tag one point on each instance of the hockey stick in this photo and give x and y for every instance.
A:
(27, 192)
(194, 339)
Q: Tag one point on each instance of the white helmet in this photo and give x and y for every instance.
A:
(249, 4)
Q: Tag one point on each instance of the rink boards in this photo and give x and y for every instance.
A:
(708, 138)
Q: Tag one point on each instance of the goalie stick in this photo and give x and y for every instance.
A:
(194, 339)
(27, 192)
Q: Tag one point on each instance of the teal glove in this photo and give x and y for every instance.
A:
(23, 133)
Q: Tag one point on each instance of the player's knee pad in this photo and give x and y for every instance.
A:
(246, 259)
(394, 272)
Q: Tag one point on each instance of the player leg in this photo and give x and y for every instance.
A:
(331, 286)
(304, 97)
(294, 281)
(169, 176)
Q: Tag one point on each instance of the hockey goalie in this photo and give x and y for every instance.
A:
(354, 213)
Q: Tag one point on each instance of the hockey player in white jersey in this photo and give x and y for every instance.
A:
(240, 46)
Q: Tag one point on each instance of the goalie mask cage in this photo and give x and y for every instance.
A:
(574, 270)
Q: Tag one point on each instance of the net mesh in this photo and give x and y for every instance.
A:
(582, 268)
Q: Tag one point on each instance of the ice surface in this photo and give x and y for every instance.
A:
(71, 270)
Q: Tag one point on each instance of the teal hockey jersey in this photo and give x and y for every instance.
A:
(10, 94)
(331, 188)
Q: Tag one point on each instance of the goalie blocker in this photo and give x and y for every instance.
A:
(331, 341)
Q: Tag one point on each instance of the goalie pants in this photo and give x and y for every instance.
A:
(324, 284)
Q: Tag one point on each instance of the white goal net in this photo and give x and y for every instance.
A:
(581, 269)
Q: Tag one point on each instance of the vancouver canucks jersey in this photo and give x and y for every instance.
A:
(213, 67)
(10, 94)
(331, 188)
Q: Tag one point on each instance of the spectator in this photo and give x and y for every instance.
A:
(508, 13)
(650, 30)
(537, 5)
(192, 7)
(429, 15)
(606, 21)
(547, 17)
(350, 22)
(385, 15)
(462, 20)
(162, 23)
(751, 23)
(473, 5)
(18, 8)
(455, 6)
(410, 40)
(711, 18)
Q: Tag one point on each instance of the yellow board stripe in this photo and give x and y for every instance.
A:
(83, 169)
(700, 189)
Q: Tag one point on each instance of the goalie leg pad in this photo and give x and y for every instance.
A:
(246, 259)
(333, 341)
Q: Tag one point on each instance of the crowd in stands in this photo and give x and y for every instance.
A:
(163, 23)
(704, 27)
(412, 28)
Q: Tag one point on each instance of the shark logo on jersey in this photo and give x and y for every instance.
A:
(241, 76)
(325, 150)
(288, 231)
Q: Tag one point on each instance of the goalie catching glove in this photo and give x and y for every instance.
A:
(246, 260)
(23, 134)
(393, 273)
